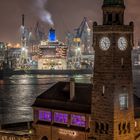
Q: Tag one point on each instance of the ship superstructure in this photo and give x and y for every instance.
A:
(52, 53)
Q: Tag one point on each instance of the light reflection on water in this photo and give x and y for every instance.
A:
(18, 93)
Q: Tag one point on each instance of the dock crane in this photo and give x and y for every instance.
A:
(83, 36)
(25, 37)
(82, 41)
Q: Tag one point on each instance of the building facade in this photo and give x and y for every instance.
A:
(62, 112)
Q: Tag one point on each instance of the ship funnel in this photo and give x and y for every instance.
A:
(52, 35)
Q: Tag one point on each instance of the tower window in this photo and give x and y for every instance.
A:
(102, 128)
(124, 128)
(123, 99)
(96, 127)
(117, 18)
(128, 127)
(109, 18)
(103, 90)
(119, 128)
(107, 128)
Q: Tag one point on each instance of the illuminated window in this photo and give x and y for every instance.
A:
(78, 120)
(123, 99)
(45, 115)
(60, 118)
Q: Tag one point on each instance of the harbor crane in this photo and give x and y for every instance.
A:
(82, 42)
(83, 36)
(25, 37)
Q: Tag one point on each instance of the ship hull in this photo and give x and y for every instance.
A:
(54, 72)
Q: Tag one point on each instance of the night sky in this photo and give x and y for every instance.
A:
(66, 15)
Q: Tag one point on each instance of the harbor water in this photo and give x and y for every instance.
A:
(18, 93)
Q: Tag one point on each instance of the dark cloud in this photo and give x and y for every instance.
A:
(67, 15)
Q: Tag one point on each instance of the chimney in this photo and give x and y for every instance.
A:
(22, 19)
(72, 88)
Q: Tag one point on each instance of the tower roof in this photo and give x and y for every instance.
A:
(114, 2)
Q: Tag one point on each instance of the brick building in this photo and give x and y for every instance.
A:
(112, 98)
(61, 115)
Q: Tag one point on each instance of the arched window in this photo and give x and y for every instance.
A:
(96, 127)
(124, 128)
(119, 128)
(123, 99)
(102, 128)
(44, 138)
(110, 18)
(128, 127)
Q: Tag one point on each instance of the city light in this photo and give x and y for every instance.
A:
(67, 132)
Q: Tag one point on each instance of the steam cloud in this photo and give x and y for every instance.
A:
(43, 13)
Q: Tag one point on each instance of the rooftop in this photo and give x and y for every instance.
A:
(58, 97)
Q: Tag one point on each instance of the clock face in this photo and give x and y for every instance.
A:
(104, 43)
(122, 43)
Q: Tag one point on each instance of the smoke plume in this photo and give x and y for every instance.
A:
(43, 14)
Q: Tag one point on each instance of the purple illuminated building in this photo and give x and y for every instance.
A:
(68, 104)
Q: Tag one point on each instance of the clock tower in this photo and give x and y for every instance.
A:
(112, 98)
